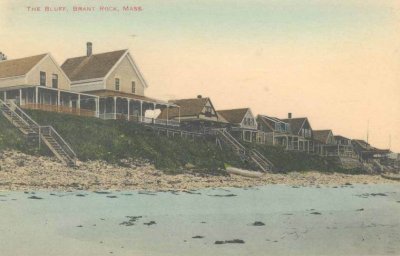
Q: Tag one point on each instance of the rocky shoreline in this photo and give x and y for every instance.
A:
(21, 172)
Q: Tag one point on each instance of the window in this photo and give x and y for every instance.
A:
(54, 81)
(133, 87)
(208, 111)
(117, 84)
(42, 78)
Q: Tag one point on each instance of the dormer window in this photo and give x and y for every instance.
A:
(117, 84)
(42, 78)
(208, 111)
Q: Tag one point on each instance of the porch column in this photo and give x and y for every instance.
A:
(167, 113)
(115, 107)
(129, 103)
(141, 111)
(154, 108)
(58, 98)
(97, 101)
(78, 103)
(36, 95)
(20, 97)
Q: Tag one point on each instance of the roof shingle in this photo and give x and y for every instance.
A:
(234, 116)
(321, 135)
(19, 67)
(295, 123)
(90, 67)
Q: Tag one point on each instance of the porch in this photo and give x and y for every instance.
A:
(52, 99)
(135, 108)
(248, 135)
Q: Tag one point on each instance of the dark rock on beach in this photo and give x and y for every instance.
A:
(198, 237)
(316, 213)
(35, 197)
(112, 196)
(258, 223)
(150, 223)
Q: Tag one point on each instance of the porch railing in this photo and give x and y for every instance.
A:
(140, 119)
(60, 109)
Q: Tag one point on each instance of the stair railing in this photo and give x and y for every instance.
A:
(49, 130)
(264, 159)
(16, 110)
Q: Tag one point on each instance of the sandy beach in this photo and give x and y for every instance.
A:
(20, 172)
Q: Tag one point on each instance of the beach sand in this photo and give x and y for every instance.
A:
(20, 172)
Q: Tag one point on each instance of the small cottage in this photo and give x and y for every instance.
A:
(241, 122)
(196, 114)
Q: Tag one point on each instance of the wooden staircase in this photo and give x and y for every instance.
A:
(245, 154)
(35, 133)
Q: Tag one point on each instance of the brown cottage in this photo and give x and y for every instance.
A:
(242, 123)
(194, 114)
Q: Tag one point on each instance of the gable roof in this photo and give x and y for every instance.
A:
(234, 116)
(188, 107)
(269, 122)
(340, 137)
(19, 67)
(263, 120)
(296, 123)
(93, 66)
(322, 135)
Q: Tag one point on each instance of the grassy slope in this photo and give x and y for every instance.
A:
(11, 137)
(111, 140)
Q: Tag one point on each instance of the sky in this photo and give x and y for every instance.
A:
(336, 62)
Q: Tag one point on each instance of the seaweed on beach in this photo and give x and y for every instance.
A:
(131, 220)
(234, 241)
(198, 237)
(102, 192)
(112, 196)
(258, 223)
(147, 193)
(366, 195)
(228, 195)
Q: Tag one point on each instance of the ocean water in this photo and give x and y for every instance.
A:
(346, 220)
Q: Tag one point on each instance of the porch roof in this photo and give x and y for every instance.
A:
(112, 93)
(46, 88)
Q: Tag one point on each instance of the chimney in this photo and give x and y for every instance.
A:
(199, 96)
(89, 49)
(289, 115)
